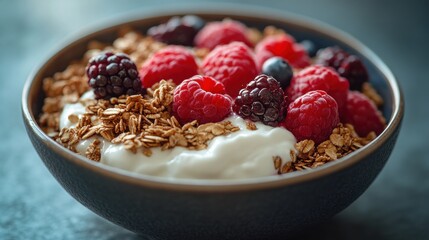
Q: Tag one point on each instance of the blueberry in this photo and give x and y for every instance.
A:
(310, 47)
(279, 69)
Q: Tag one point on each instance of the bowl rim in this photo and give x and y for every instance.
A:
(210, 185)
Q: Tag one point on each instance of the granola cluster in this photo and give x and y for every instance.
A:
(64, 87)
(341, 142)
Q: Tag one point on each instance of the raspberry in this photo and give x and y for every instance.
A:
(177, 30)
(363, 114)
(112, 75)
(171, 62)
(318, 77)
(281, 46)
(201, 98)
(261, 100)
(348, 66)
(231, 64)
(220, 33)
(312, 116)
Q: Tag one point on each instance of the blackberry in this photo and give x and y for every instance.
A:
(279, 69)
(331, 57)
(347, 65)
(113, 75)
(261, 100)
(353, 69)
(178, 30)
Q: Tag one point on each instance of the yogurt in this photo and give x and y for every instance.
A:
(241, 154)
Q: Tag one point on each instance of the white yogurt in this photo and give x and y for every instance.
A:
(241, 154)
(74, 108)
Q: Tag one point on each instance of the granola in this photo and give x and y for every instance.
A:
(343, 141)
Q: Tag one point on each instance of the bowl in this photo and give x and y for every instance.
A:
(257, 208)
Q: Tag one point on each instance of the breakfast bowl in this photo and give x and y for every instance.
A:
(253, 208)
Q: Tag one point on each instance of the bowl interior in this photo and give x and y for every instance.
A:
(322, 35)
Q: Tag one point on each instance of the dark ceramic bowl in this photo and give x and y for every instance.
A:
(257, 208)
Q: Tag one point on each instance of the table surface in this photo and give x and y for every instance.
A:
(34, 206)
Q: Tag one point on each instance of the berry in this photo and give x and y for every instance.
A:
(318, 77)
(201, 98)
(220, 33)
(309, 47)
(348, 66)
(331, 56)
(363, 114)
(177, 30)
(282, 46)
(261, 100)
(353, 69)
(231, 64)
(113, 75)
(312, 116)
(171, 62)
(279, 69)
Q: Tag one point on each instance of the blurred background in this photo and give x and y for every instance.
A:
(34, 206)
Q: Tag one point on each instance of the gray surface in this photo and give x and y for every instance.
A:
(34, 206)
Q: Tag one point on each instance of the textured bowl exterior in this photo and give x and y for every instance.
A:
(274, 208)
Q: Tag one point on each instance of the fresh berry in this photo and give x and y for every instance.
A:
(178, 30)
(363, 114)
(172, 62)
(201, 98)
(312, 116)
(318, 77)
(331, 56)
(348, 66)
(282, 46)
(219, 33)
(261, 100)
(231, 64)
(279, 69)
(353, 69)
(113, 75)
(309, 47)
